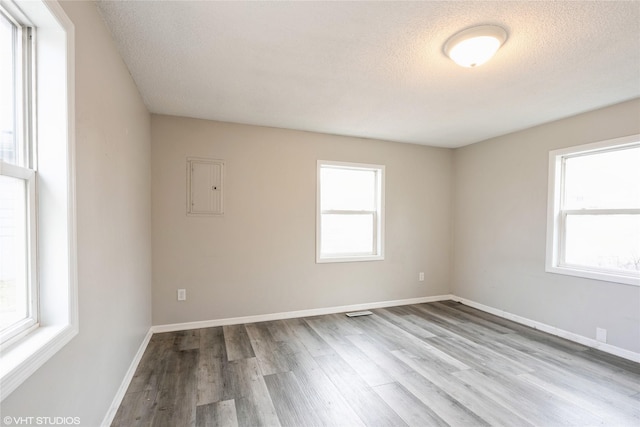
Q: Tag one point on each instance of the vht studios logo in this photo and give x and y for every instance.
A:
(41, 421)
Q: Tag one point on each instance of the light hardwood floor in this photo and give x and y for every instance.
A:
(420, 365)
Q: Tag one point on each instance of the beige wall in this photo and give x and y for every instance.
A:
(500, 207)
(114, 236)
(260, 257)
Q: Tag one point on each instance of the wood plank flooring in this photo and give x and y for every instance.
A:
(431, 364)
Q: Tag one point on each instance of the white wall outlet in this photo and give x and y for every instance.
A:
(601, 335)
(182, 294)
(421, 276)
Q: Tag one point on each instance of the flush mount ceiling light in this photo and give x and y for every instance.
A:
(475, 46)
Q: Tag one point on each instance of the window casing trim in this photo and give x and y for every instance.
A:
(377, 253)
(556, 216)
(54, 125)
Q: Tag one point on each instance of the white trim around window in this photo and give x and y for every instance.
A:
(558, 213)
(54, 164)
(368, 212)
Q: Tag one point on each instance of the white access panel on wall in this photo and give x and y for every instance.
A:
(205, 184)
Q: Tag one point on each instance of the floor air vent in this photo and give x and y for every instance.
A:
(359, 313)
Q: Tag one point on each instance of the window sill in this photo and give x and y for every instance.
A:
(595, 275)
(350, 259)
(18, 361)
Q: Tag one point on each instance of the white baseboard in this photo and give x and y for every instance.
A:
(117, 400)
(589, 342)
(294, 314)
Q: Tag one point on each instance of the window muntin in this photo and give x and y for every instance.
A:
(18, 285)
(350, 220)
(594, 211)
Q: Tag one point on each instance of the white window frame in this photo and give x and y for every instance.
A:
(556, 214)
(377, 253)
(24, 169)
(18, 329)
(52, 191)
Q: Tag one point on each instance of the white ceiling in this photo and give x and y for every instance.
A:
(376, 69)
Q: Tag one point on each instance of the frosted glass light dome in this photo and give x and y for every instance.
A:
(475, 46)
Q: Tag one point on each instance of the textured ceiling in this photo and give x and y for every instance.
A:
(376, 69)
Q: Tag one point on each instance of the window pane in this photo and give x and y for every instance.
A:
(347, 234)
(7, 87)
(604, 180)
(13, 253)
(609, 242)
(347, 189)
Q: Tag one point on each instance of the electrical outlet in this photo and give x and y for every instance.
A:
(601, 335)
(421, 276)
(182, 294)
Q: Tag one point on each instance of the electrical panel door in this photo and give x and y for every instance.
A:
(205, 186)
